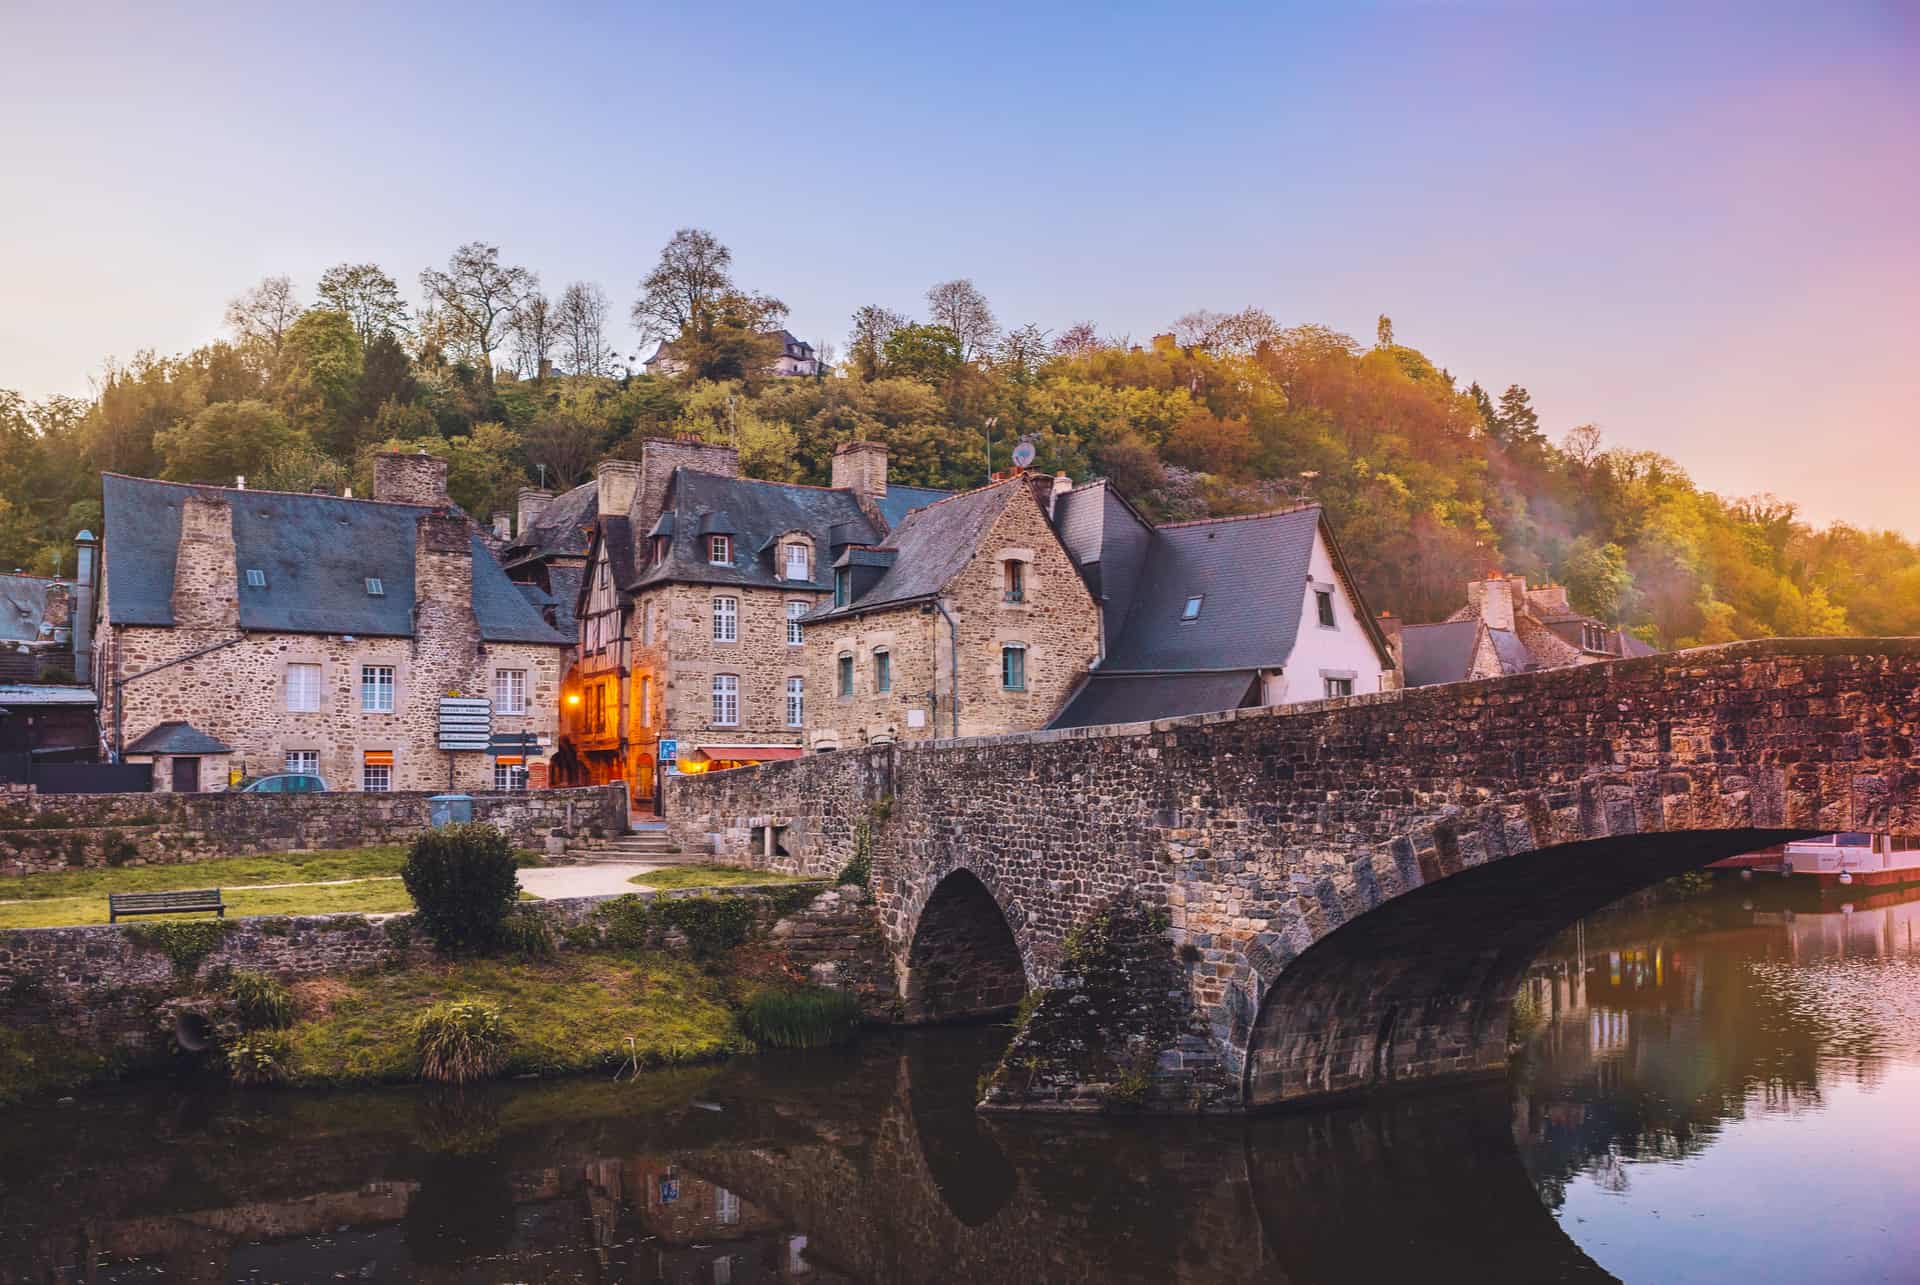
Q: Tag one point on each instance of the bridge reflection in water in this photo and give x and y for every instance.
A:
(1655, 1032)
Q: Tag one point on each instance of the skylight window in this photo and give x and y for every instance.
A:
(1192, 610)
(374, 588)
(256, 578)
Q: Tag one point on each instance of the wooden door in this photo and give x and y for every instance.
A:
(186, 775)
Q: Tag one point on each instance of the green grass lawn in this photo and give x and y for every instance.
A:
(222, 872)
(368, 896)
(712, 877)
(569, 1014)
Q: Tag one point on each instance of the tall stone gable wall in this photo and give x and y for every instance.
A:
(1263, 831)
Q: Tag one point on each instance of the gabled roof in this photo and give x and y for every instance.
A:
(23, 608)
(562, 530)
(902, 500)
(1439, 653)
(316, 552)
(177, 737)
(758, 513)
(931, 547)
(1140, 698)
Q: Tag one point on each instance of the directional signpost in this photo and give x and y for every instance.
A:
(466, 723)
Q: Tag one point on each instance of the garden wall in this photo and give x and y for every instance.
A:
(41, 832)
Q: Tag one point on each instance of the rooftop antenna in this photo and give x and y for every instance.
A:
(543, 475)
(991, 421)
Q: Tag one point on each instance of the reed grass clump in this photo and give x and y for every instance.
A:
(461, 1041)
(808, 1017)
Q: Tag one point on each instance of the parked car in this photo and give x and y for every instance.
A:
(282, 783)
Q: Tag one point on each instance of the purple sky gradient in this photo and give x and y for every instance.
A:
(1699, 229)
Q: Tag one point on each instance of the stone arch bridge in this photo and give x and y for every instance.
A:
(1327, 898)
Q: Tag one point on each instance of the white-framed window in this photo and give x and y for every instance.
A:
(720, 549)
(303, 689)
(797, 562)
(1323, 603)
(646, 702)
(882, 671)
(726, 619)
(1192, 610)
(796, 702)
(509, 776)
(376, 771)
(509, 691)
(306, 762)
(376, 689)
(726, 699)
(1013, 667)
(1338, 687)
(796, 632)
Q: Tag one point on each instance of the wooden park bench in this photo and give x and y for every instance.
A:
(164, 903)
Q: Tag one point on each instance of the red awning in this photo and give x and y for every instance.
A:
(746, 753)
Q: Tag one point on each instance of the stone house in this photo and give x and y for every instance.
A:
(690, 651)
(1508, 627)
(970, 620)
(36, 627)
(791, 356)
(254, 631)
(1225, 613)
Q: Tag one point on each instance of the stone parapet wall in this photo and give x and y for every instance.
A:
(38, 831)
(817, 806)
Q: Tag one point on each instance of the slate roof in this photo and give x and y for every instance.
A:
(177, 737)
(902, 500)
(24, 694)
(1633, 647)
(931, 546)
(1108, 540)
(1139, 698)
(759, 512)
(23, 606)
(1252, 573)
(1441, 653)
(563, 531)
(566, 582)
(317, 552)
(1513, 654)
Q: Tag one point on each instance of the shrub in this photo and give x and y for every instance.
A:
(461, 879)
(461, 1041)
(807, 1018)
(528, 935)
(711, 925)
(186, 943)
(262, 1001)
(117, 848)
(399, 932)
(259, 1057)
(626, 922)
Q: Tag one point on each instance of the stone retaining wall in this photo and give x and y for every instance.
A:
(41, 832)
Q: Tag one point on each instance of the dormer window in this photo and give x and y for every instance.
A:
(1192, 610)
(1015, 581)
(797, 562)
(659, 548)
(842, 587)
(720, 550)
(256, 578)
(376, 588)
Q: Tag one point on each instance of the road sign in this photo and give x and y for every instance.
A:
(670, 757)
(466, 723)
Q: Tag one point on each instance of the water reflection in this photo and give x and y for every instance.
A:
(1624, 1146)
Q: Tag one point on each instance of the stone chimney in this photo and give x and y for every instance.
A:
(443, 587)
(1550, 599)
(861, 467)
(530, 505)
(1492, 601)
(404, 477)
(86, 578)
(206, 575)
(503, 527)
(660, 456)
(619, 486)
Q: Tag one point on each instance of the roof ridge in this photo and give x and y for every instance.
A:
(961, 495)
(261, 490)
(1241, 517)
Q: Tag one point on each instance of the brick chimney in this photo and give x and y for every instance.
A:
(206, 575)
(443, 586)
(660, 456)
(405, 477)
(619, 486)
(861, 467)
(530, 505)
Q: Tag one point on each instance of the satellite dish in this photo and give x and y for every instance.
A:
(1023, 455)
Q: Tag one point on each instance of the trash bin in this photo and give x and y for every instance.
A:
(451, 809)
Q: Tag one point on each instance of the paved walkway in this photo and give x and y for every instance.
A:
(583, 881)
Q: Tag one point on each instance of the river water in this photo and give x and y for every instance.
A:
(1724, 1087)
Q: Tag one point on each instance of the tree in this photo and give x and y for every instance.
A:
(1597, 579)
(367, 295)
(386, 376)
(1021, 353)
(1516, 424)
(582, 320)
(693, 272)
(961, 308)
(872, 327)
(261, 317)
(1078, 340)
(477, 296)
(930, 354)
(321, 364)
(1226, 334)
(226, 440)
(1581, 445)
(536, 333)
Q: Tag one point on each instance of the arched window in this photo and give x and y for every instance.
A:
(796, 702)
(726, 619)
(726, 699)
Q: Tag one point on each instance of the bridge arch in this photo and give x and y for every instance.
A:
(963, 961)
(1420, 986)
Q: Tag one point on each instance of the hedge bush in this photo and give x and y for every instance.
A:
(462, 881)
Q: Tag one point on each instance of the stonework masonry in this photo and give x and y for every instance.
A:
(1353, 887)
